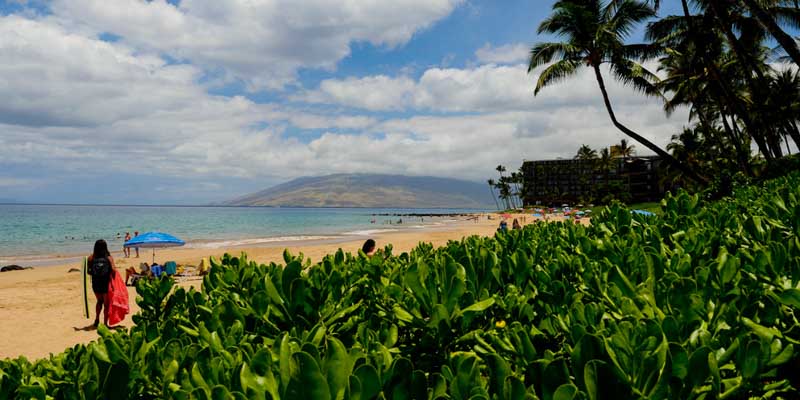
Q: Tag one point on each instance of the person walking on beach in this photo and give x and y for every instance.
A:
(126, 250)
(135, 234)
(101, 266)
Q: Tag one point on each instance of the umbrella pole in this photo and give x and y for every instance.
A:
(154, 255)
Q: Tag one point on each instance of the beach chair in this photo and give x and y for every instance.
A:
(170, 268)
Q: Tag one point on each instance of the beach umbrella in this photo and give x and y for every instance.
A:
(154, 240)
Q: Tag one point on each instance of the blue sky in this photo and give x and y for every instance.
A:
(197, 101)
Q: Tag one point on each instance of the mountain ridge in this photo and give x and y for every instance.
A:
(370, 190)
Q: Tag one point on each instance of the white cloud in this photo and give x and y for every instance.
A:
(484, 88)
(262, 42)
(79, 106)
(376, 93)
(505, 54)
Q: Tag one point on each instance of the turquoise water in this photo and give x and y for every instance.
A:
(35, 230)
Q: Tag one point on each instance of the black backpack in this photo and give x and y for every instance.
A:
(100, 267)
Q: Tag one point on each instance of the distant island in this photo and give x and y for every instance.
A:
(371, 190)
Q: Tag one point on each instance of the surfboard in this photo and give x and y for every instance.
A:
(85, 277)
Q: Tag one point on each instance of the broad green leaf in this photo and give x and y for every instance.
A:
(480, 306)
(565, 392)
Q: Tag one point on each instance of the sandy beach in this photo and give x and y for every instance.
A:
(41, 309)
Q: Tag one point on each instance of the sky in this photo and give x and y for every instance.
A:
(199, 101)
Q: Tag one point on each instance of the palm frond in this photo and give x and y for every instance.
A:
(667, 27)
(636, 76)
(545, 53)
(627, 15)
(555, 73)
(787, 16)
(642, 52)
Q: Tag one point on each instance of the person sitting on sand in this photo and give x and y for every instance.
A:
(101, 266)
(503, 226)
(369, 247)
(515, 225)
(144, 270)
(156, 270)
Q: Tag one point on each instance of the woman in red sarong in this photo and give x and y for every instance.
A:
(101, 268)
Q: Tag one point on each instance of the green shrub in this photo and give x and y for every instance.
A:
(699, 302)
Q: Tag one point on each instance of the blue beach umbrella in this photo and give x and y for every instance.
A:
(154, 240)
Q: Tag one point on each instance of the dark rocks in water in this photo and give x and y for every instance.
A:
(13, 268)
(423, 215)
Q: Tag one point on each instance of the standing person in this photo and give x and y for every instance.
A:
(515, 225)
(101, 266)
(135, 234)
(126, 250)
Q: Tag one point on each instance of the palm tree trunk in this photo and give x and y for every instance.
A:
(785, 40)
(795, 134)
(635, 136)
(494, 197)
(742, 155)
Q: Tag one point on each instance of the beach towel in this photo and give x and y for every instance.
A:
(170, 268)
(118, 305)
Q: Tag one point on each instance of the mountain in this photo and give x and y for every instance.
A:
(371, 190)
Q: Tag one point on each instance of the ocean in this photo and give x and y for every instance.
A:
(30, 232)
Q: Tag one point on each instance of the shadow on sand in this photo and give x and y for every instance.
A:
(92, 327)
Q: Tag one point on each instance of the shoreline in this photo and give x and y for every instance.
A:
(437, 221)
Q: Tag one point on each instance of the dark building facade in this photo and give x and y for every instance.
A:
(572, 181)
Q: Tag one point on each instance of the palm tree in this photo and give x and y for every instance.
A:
(500, 169)
(502, 184)
(595, 35)
(702, 40)
(494, 196)
(605, 164)
(785, 40)
(516, 179)
(623, 150)
(586, 153)
(691, 62)
(784, 105)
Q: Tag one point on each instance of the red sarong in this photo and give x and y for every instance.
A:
(118, 304)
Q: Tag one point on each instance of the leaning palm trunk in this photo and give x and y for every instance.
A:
(635, 136)
(784, 39)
